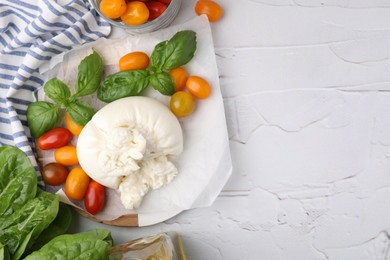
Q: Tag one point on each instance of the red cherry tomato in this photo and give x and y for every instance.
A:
(54, 174)
(54, 138)
(94, 197)
(155, 9)
(165, 1)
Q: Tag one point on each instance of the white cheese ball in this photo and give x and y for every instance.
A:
(126, 136)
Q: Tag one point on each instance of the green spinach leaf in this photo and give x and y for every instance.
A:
(4, 255)
(18, 180)
(42, 116)
(58, 227)
(57, 90)
(34, 216)
(123, 84)
(90, 73)
(163, 83)
(80, 111)
(81, 246)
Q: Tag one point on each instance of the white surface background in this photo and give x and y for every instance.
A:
(305, 85)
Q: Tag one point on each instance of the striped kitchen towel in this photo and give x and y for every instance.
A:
(31, 32)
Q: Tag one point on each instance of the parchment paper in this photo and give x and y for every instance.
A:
(205, 164)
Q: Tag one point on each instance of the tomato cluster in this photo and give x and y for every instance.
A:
(187, 87)
(182, 103)
(78, 185)
(133, 12)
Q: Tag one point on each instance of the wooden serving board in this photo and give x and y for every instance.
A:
(122, 221)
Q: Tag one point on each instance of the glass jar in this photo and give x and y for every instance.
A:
(163, 246)
(160, 22)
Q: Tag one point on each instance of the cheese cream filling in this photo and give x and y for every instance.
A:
(126, 154)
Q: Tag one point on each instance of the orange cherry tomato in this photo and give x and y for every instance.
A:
(74, 128)
(54, 174)
(134, 61)
(198, 87)
(113, 8)
(182, 104)
(76, 184)
(66, 155)
(179, 76)
(210, 8)
(136, 13)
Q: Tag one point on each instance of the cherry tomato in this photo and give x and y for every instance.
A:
(136, 13)
(54, 138)
(76, 184)
(54, 174)
(210, 8)
(113, 8)
(198, 87)
(165, 1)
(182, 104)
(155, 9)
(179, 76)
(94, 197)
(134, 61)
(66, 155)
(74, 128)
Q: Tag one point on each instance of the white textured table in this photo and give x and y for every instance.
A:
(306, 87)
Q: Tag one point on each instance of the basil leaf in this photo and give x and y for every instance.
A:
(41, 117)
(90, 73)
(123, 84)
(158, 58)
(80, 112)
(18, 180)
(163, 83)
(57, 90)
(34, 216)
(176, 52)
(76, 246)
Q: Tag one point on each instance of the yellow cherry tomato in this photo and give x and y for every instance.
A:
(182, 104)
(134, 61)
(76, 184)
(179, 76)
(66, 155)
(74, 128)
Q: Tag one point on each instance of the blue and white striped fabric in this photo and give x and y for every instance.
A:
(31, 32)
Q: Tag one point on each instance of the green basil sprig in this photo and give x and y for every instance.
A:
(43, 116)
(167, 55)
